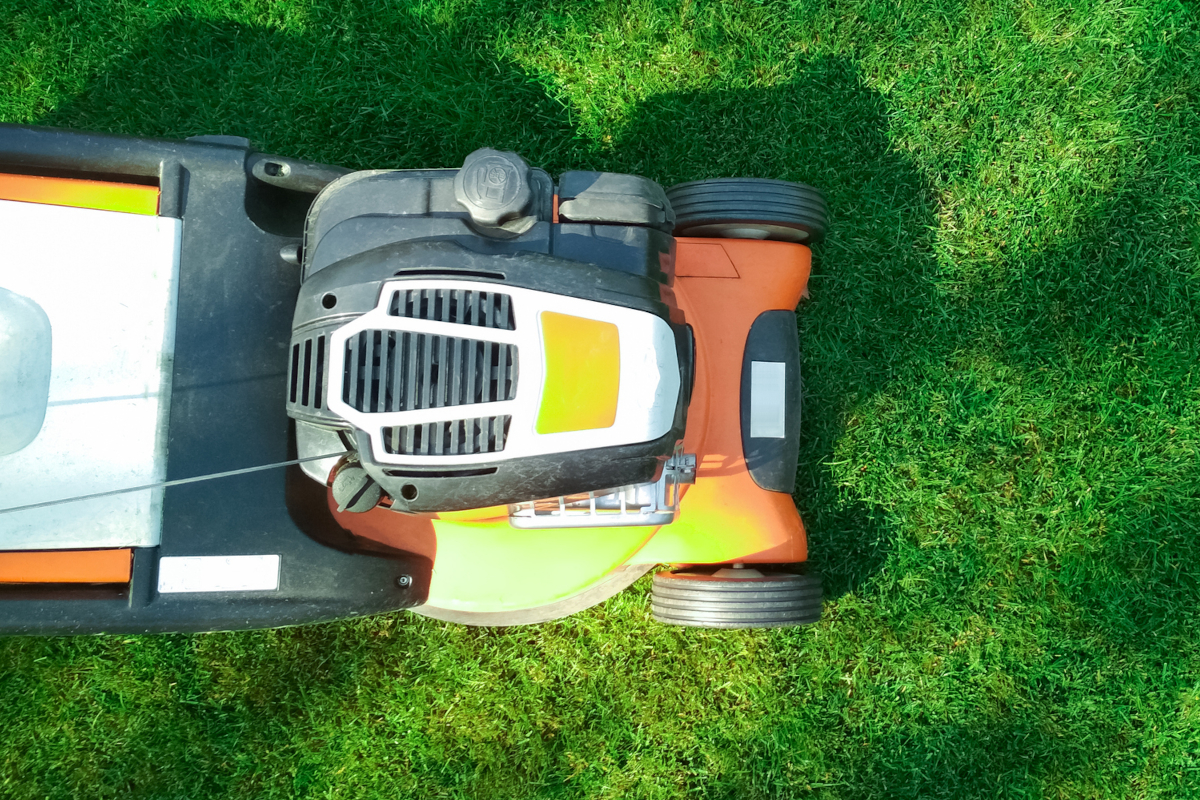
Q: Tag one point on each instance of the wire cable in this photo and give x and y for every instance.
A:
(165, 484)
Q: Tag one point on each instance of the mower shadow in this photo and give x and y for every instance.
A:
(871, 277)
(1116, 552)
(310, 96)
(886, 313)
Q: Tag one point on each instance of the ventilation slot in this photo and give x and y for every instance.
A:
(389, 371)
(306, 375)
(464, 307)
(460, 437)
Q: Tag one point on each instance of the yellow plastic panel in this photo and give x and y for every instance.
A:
(494, 567)
(583, 374)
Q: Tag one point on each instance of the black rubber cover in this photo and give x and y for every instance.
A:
(772, 462)
(367, 210)
(610, 197)
(372, 208)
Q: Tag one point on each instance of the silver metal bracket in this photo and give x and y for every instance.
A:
(643, 504)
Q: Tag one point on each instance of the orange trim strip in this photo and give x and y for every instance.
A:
(130, 198)
(66, 566)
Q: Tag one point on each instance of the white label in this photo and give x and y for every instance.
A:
(218, 574)
(768, 399)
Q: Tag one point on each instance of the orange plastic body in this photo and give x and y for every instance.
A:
(481, 563)
(722, 285)
(66, 566)
(130, 198)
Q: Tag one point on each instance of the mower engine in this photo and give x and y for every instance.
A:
(480, 337)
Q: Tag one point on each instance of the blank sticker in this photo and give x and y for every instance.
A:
(768, 399)
(218, 574)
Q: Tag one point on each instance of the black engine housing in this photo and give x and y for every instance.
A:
(369, 228)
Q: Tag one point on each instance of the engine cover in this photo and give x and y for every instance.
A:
(463, 393)
(466, 371)
(469, 348)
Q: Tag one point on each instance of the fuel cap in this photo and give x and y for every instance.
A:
(494, 187)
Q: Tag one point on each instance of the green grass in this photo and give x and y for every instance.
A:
(1001, 469)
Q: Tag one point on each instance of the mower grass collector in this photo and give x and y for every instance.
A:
(477, 393)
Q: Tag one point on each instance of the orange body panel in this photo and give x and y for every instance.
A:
(726, 516)
(130, 198)
(66, 566)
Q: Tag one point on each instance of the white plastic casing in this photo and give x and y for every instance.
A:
(646, 400)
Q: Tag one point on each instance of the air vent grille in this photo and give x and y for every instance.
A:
(306, 373)
(461, 306)
(460, 437)
(388, 371)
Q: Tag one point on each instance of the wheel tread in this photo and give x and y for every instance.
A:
(696, 600)
(727, 201)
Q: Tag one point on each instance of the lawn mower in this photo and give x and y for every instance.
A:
(239, 390)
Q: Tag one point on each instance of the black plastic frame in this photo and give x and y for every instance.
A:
(236, 297)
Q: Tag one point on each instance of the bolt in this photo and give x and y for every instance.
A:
(404, 580)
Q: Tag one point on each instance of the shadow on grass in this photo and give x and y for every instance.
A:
(872, 279)
(410, 96)
(1092, 509)
(1120, 317)
(1105, 327)
(416, 96)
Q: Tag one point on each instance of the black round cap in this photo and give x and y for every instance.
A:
(494, 187)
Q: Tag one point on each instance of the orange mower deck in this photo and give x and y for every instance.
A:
(721, 286)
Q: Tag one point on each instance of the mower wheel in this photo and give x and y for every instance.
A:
(726, 597)
(749, 208)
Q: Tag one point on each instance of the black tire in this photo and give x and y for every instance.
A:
(749, 208)
(735, 598)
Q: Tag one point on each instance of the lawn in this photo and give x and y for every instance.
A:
(1001, 466)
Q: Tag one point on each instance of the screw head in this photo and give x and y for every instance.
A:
(404, 580)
